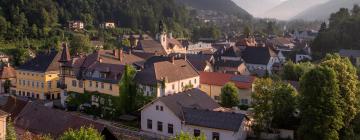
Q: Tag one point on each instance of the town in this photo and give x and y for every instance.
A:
(167, 71)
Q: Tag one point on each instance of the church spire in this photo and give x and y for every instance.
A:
(65, 54)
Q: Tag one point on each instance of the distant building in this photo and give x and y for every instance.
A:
(4, 58)
(7, 79)
(76, 25)
(306, 35)
(107, 25)
(212, 82)
(38, 77)
(202, 62)
(167, 76)
(99, 72)
(193, 112)
(353, 55)
(198, 48)
(260, 60)
(229, 60)
(282, 44)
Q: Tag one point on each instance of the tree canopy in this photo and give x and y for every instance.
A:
(84, 133)
(319, 104)
(229, 95)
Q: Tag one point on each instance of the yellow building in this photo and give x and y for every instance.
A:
(38, 77)
(212, 82)
(98, 72)
(3, 118)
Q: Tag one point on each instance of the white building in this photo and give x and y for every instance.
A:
(192, 112)
(163, 77)
(260, 60)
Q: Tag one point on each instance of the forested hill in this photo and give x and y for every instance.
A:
(225, 6)
(20, 18)
(342, 32)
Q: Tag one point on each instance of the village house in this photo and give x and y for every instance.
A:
(7, 79)
(98, 72)
(202, 62)
(306, 35)
(229, 60)
(196, 48)
(163, 44)
(212, 82)
(260, 60)
(353, 55)
(4, 58)
(76, 25)
(194, 112)
(107, 25)
(38, 77)
(282, 44)
(167, 75)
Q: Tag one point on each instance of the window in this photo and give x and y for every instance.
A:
(103, 75)
(28, 83)
(170, 128)
(19, 93)
(194, 81)
(161, 108)
(244, 101)
(157, 107)
(28, 94)
(149, 124)
(196, 132)
(173, 86)
(37, 84)
(110, 87)
(20, 82)
(217, 98)
(24, 83)
(74, 83)
(23, 93)
(90, 83)
(80, 83)
(102, 85)
(182, 84)
(215, 136)
(32, 84)
(50, 75)
(37, 96)
(49, 84)
(96, 84)
(159, 126)
(42, 85)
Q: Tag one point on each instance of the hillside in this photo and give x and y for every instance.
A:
(323, 11)
(256, 9)
(291, 8)
(224, 6)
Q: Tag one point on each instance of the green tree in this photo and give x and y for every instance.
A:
(84, 133)
(293, 71)
(10, 130)
(229, 95)
(348, 86)
(247, 31)
(262, 104)
(125, 43)
(80, 44)
(320, 112)
(127, 89)
(284, 103)
(187, 136)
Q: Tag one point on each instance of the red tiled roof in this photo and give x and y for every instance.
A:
(220, 79)
(7, 72)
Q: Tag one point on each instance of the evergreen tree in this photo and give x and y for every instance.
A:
(127, 89)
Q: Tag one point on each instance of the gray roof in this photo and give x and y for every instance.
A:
(194, 98)
(349, 53)
(43, 62)
(258, 55)
(213, 119)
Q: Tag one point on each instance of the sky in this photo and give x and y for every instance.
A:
(280, 9)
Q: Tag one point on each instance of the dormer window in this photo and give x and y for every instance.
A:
(103, 75)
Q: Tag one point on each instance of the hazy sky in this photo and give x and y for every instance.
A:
(280, 9)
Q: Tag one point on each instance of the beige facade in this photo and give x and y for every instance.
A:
(81, 86)
(37, 85)
(214, 92)
(3, 117)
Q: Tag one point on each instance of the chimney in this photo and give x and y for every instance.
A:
(121, 55)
